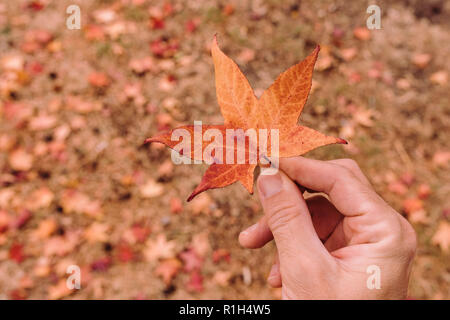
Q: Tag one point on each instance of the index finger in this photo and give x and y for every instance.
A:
(346, 191)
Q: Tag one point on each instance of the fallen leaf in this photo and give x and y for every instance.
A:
(45, 229)
(16, 252)
(221, 254)
(439, 77)
(77, 202)
(151, 189)
(423, 191)
(20, 160)
(168, 269)
(421, 60)
(42, 122)
(397, 187)
(97, 232)
(101, 264)
(20, 220)
(143, 65)
(159, 249)
(195, 283)
(278, 108)
(419, 216)
(348, 54)
(222, 278)
(5, 220)
(99, 80)
(59, 290)
(441, 158)
(61, 245)
(18, 294)
(140, 233)
(191, 260)
(200, 243)
(125, 253)
(361, 33)
(202, 204)
(176, 206)
(39, 199)
(412, 204)
(442, 236)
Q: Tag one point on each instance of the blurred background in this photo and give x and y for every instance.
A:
(78, 187)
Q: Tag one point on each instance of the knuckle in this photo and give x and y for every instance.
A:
(281, 213)
(349, 164)
(404, 236)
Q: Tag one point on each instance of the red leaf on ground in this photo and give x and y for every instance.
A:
(101, 264)
(191, 260)
(195, 283)
(221, 254)
(99, 79)
(16, 252)
(168, 269)
(125, 253)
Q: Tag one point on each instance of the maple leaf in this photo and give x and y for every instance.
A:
(101, 264)
(159, 249)
(59, 290)
(168, 269)
(442, 236)
(279, 107)
(16, 252)
(192, 261)
(125, 253)
(195, 283)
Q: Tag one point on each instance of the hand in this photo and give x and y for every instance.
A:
(325, 245)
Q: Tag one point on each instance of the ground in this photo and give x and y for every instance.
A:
(79, 187)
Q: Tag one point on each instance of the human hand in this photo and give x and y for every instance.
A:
(324, 247)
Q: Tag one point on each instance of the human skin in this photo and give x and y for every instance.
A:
(325, 244)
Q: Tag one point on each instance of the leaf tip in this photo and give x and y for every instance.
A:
(215, 43)
(192, 196)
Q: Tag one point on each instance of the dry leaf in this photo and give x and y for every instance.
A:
(159, 249)
(97, 232)
(440, 78)
(279, 108)
(59, 290)
(45, 229)
(168, 269)
(151, 189)
(20, 160)
(442, 236)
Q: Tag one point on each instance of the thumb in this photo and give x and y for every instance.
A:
(289, 220)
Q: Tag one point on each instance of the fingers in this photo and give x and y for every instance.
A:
(353, 167)
(274, 278)
(289, 220)
(256, 235)
(325, 218)
(347, 192)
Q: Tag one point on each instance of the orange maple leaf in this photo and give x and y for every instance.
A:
(279, 108)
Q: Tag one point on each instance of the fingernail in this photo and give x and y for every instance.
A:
(269, 185)
(249, 229)
(274, 271)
